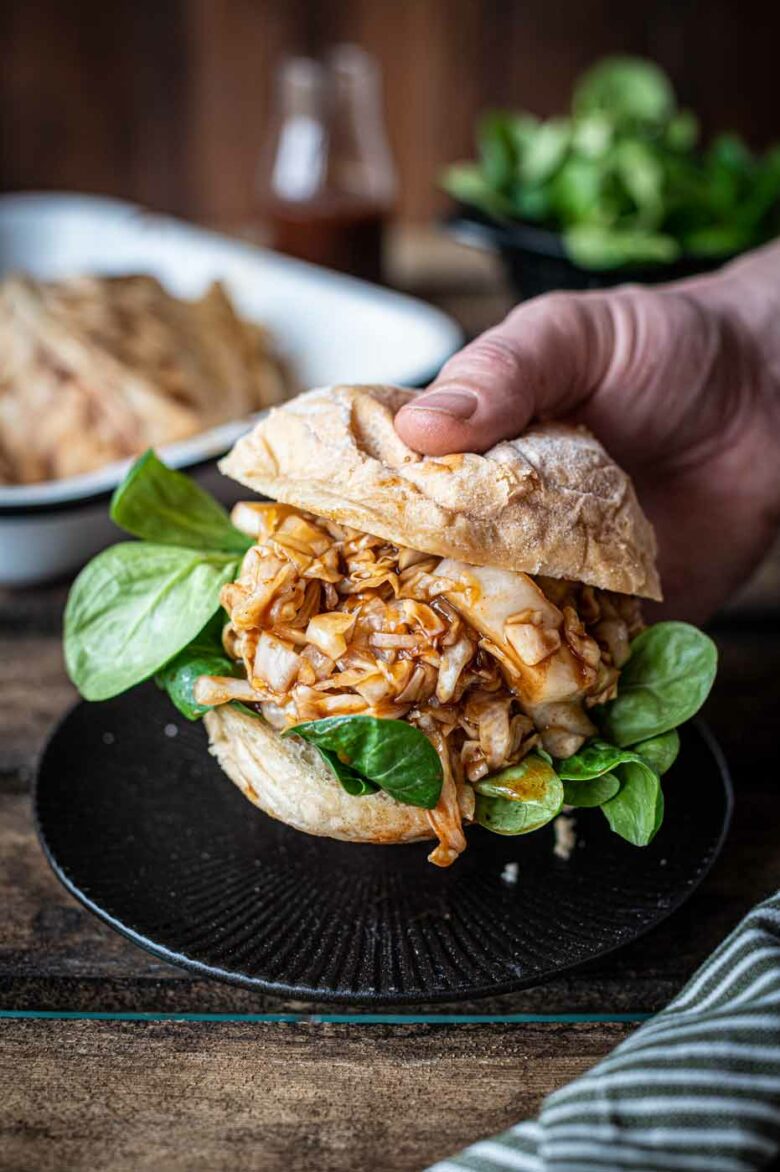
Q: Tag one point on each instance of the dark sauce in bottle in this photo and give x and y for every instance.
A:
(327, 180)
(338, 232)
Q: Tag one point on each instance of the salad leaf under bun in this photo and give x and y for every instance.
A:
(288, 779)
(550, 502)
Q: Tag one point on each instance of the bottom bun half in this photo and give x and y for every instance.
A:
(289, 780)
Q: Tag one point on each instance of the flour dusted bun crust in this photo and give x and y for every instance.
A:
(550, 502)
(288, 780)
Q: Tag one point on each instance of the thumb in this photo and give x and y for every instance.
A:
(543, 360)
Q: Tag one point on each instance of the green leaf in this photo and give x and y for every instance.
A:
(531, 780)
(592, 135)
(355, 785)
(660, 752)
(497, 149)
(393, 754)
(545, 151)
(637, 810)
(717, 240)
(466, 183)
(167, 507)
(593, 246)
(665, 682)
(576, 191)
(642, 176)
(593, 759)
(630, 90)
(506, 816)
(134, 607)
(682, 132)
(246, 710)
(519, 799)
(729, 153)
(591, 791)
(204, 656)
(522, 128)
(531, 203)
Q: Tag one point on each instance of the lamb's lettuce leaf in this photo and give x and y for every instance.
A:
(204, 656)
(355, 785)
(637, 810)
(143, 606)
(590, 791)
(619, 780)
(595, 758)
(393, 754)
(158, 504)
(134, 607)
(665, 682)
(660, 752)
(519, 799)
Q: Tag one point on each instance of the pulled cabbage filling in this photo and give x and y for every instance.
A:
(327, 621)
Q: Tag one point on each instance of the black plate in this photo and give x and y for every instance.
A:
(141, 825)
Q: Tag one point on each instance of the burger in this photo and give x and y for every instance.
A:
(386, 647)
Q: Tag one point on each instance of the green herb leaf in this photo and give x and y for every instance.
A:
(545, 151)
(204, 656)
(637, 810)
(355, 785)
(497, 149)
(246, 709)
(133, 608)
(576, 191)
(717, 240)
(660, 753)
(466, 183)
(167, 507)
(665, 682)
(395, 755)
(590, 791)
(682, 131)
(632, 91)
(593, 135)
(595, 246)
(519, 799)
(593, 759)
(642, 175)
(504, 816)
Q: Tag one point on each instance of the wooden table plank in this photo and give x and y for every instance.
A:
(34, 693)
(132, 1097)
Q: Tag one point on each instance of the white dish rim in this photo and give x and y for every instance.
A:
(18, 500)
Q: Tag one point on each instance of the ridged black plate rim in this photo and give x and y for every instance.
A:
(304, 992)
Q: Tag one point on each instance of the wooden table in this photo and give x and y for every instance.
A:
(126, 1072)
(110, 1059)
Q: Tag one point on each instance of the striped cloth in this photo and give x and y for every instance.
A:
(696, 1089)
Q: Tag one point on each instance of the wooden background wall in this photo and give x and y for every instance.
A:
(163, 101)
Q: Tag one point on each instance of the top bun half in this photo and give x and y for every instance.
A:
(550, 502)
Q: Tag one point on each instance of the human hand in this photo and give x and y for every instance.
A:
(682, 386)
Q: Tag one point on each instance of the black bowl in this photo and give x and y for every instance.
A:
(536, 261)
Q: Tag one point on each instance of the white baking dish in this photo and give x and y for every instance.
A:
(334, 329)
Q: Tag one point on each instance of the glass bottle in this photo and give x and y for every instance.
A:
(326, 181)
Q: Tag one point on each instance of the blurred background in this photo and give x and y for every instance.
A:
(166, 101)
(328, 128)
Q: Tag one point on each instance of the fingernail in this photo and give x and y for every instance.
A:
(461, 404)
